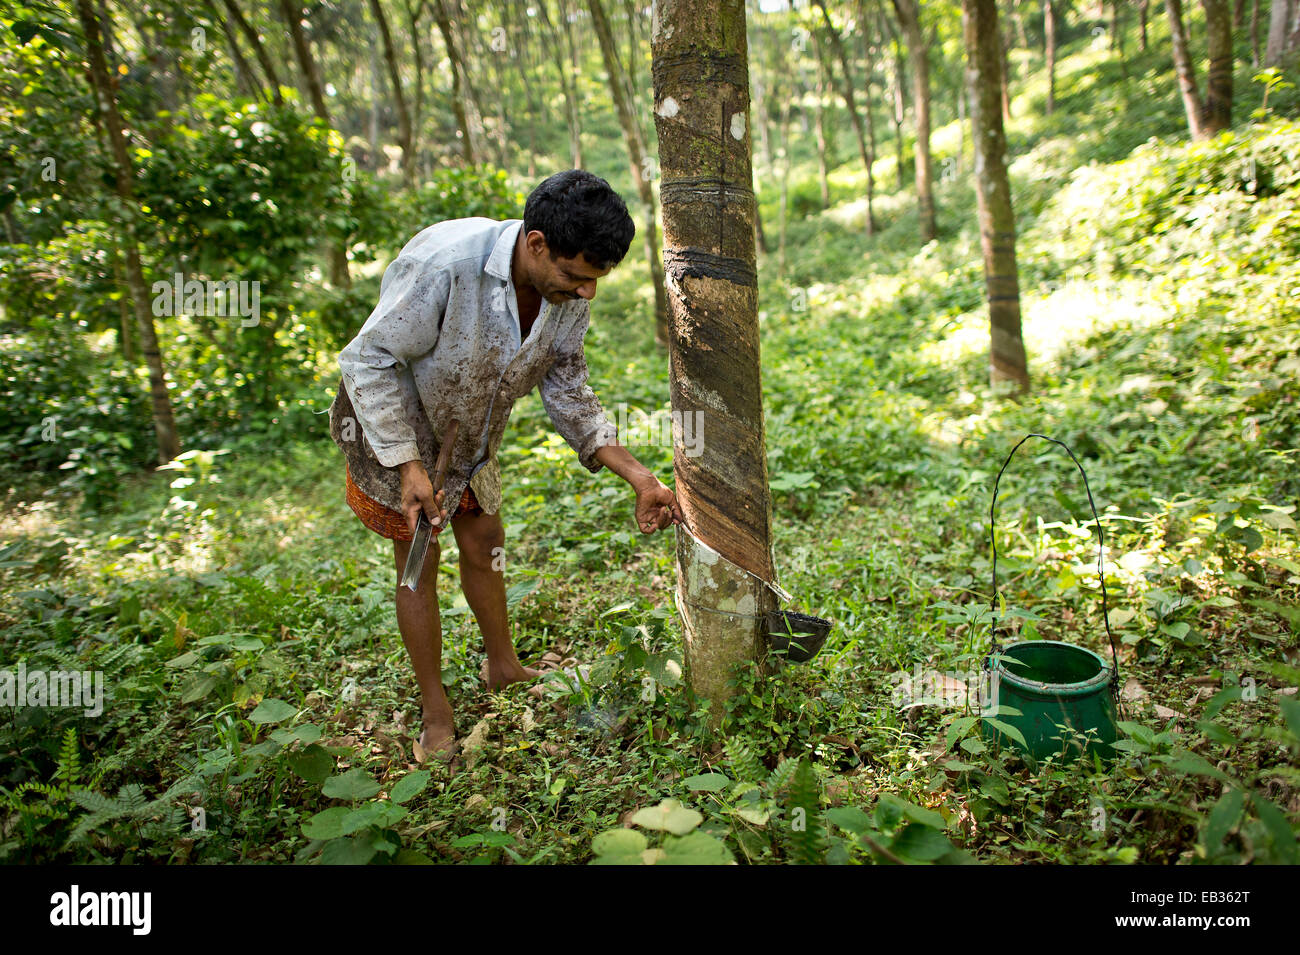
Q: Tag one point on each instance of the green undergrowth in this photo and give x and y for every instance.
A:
(259, 705)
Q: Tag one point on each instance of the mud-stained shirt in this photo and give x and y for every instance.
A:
(444, 343)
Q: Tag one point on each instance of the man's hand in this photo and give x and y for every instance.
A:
(656, 507)
(417, 495)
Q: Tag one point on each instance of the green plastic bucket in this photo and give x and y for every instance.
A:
(1060, 690)
(1066, 696)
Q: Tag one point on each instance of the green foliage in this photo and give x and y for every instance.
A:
(681, 843)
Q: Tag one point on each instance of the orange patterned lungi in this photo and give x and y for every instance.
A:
(389, 523)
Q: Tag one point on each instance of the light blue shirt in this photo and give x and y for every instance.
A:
(444, 343)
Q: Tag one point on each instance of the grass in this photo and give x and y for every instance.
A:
(1162, 328)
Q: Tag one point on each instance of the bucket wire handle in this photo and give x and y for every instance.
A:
(1101, 553)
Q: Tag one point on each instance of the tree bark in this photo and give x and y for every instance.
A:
(468, 146)
(701, 86)
(898, 83)
(636, 160)
(846, 90)
(399, 97)
(110, 121)
(1049, 41)
(292, 15)
(1184, 69)
(1143, 11)
(1007, 363)
(259, 50)
(909, 18)
(1279, 17)
(1218, 77)
(246, 80)
(823, 159)
(570, 96)
(413, 16)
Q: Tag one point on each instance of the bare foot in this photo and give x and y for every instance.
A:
(437, 741)
(496, 678)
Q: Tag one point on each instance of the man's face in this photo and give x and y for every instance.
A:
(560, 280)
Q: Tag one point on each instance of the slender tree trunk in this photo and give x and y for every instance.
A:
(1144, 7)
(819, 126)
(1218, 77)
(846, 90)
(521, 55)
(1254, 35)
(414, 14)
(259, 50)
(110, 121)
(636, 160)
(575, 62)
(1020, 25)
(399, 98)
(306, 62)
(468, 145)
(246, 80)
(1278, 20)
(701, 86)
(570, 94)
(1007, 362)
(377, 97)
(909, 18)
(1184, 69)
(1049, 41)
(899, 84)
(125, 314)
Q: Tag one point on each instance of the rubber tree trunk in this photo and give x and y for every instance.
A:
(338, 255)
(259, 49)
(1184, 68)
(306, 62)
(898, 83)
(399, 97)
(1143, 11)
(1213, 114)
(459, 96)
(1049, 41)
(110, 121)
(246, 81)
(909, 18)
(823, 159)
(1007, 363)
(850, 103)
(413, 17)
(1278, 18)
(552, 42)
(1218, 76)
(636, 160)
(701, 88)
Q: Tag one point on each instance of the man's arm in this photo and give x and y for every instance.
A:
(404, 326)
(573, 407)
(656, 506)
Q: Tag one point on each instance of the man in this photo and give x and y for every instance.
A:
(472, 315)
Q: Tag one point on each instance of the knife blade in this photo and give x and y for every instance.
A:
(423, 526)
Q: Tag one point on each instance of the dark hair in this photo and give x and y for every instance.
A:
(578, 212)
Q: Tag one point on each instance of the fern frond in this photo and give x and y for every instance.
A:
(805, 836)
(780, 777)
(69, 768)
(744, 764)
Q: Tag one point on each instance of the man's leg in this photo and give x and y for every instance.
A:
(421, 626)
(481, 539)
